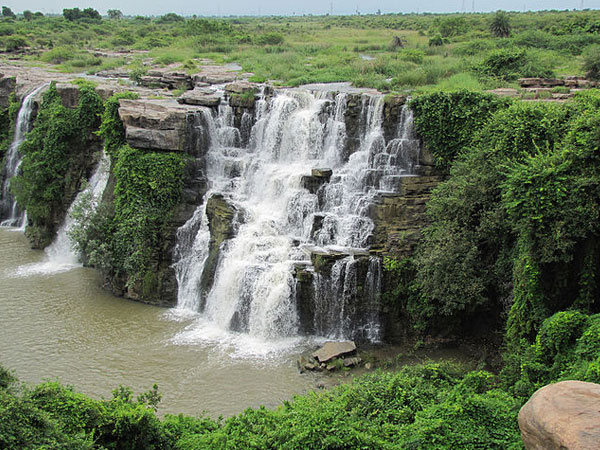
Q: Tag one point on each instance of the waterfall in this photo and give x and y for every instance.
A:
(9, 210)
(60, 256)
(295, 190)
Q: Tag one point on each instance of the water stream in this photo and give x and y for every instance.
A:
(60, 256)
(10, 214)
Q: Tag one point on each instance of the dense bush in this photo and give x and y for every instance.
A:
(591, 62)
(516, 224)
(509, 64)
(54, 155)
(446, 120)
(432, 406)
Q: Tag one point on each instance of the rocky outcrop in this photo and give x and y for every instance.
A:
(214, 75)
(7, 88)
(331, 350)
(400, 216)
(392, 109)
(167, 79)
(200, 97)
(316, 179)
(156, 124)
(562, 416)
(331, 356)
(222, 225)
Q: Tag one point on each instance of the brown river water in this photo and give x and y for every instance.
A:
(62, 325)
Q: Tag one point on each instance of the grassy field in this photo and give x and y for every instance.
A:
(388, 52)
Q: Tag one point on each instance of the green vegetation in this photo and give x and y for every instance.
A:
(122, 237)
(55, 155)
(432, 406)
(514, 229)
(390, 52)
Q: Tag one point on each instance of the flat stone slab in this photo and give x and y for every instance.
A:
(562, 416)
(200, 97)
(331, 350)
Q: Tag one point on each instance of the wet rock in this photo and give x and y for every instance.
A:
(331, 350)
(305, 305)
(221, 215)
(200, 97)
(316, 179)
(245, 100)
(562, 416)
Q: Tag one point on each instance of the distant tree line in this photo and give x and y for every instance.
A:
(73, 14)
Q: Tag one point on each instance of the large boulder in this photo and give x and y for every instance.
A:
(562, 416)
(331, 350)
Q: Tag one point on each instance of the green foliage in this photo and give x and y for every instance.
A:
(566, 348)
(122, 237)
(111, 128)
(469, 252)
(446, 120)
(73, 14)
(508, 64)
(54, 154)
(148, 187)
(500, 24)
(8, 13)
(591, 62)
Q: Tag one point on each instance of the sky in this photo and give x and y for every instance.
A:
(291, 7)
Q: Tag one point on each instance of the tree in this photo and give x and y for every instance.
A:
(7, 12)
(114, 14)
(27, 15)
(500, 25)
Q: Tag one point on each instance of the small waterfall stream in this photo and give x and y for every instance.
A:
(60, 256)
(10, 215)
(283, 214)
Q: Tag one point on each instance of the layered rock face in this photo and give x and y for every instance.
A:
(562, 416)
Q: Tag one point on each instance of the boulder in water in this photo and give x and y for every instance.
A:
(331, 350)
(562, 416)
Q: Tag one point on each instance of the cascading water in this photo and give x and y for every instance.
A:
(10, 214)
(253, 290)
(60, 255)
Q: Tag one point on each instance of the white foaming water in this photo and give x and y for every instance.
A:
(252, 305)
(60, 255)
(10, 213)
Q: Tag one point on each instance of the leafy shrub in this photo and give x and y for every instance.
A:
(591, 62)
(270, 39)
(446, 120)
(510, 64)
(55, 155)
(14, 43)
(436, 41)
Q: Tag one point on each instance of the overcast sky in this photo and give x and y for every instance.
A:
(289, 7)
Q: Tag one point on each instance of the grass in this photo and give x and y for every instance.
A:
(298, 50)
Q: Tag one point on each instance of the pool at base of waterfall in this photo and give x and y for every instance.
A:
(62, 325)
